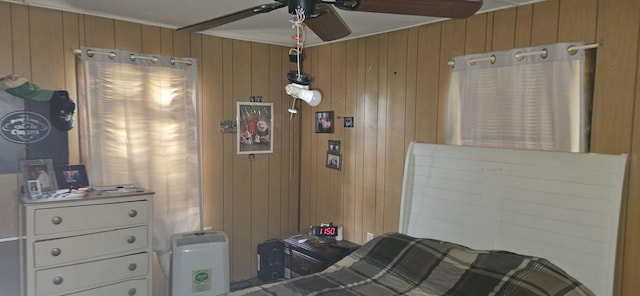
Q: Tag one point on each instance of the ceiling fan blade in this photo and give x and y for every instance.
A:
(436, 8)
(328, 25)
(232, 17)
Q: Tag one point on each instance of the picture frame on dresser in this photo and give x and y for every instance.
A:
(34, 187)
(71, 176)
(40, 170)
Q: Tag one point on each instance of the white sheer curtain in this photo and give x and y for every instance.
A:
(541, 100)
(143, 130)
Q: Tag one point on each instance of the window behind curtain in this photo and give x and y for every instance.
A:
(142, 128)
(542, 101)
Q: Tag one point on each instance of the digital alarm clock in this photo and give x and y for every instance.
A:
(329, 230)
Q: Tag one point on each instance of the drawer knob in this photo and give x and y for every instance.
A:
(132, 266)
(132, 291)
(133, 213)
(57, 280)
(56, 220)
(56, 251)
(131, 239)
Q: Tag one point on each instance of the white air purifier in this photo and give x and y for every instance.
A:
(200, 263)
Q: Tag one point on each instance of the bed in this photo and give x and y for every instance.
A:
(487, 221)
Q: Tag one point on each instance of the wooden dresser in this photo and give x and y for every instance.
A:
(98, 245)
(307, 254)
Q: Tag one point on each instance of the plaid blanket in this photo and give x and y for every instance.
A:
(397, 264)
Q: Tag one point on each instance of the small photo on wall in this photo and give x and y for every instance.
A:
(348, 122)
(324, 122)
(334, 146)
(334, 161)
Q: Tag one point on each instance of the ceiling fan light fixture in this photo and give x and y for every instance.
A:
(297, 91)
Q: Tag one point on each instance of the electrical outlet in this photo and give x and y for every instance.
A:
(207, 228)
(369, 236)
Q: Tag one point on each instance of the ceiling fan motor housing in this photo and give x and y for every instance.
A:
(307, 6)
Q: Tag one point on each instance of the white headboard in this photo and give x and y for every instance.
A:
(561, 206)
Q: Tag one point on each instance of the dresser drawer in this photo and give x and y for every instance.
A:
(133, 288)
(91, 274)
(77, 218)
(302, 264)
(80, 248)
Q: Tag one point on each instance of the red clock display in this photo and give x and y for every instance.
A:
(326, 230)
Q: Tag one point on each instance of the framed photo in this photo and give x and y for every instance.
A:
(334, 146)
(255, 124)
(40, 170)
(334, 161)
(324, 122)
(34, 187)
(348, 122)
(71, 176)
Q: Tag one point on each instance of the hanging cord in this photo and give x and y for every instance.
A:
(299, 37)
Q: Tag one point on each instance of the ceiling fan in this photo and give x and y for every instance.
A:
(322, 18)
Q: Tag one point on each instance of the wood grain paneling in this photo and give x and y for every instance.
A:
(523, 26)
(212, 141)
(545, 22)
(452, 43)
(503, 32)
(369, 151)
(6, 53)
(428, 83)
(394, 141)
(338, 89)
(615, 124)
(260, 165)
(242, 173)
(20, 41)
(71, 41)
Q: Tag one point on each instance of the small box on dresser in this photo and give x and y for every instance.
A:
(100, 244)
(309, 254)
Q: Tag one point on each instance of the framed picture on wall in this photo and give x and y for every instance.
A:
(334, 146)
(39, 172)
(334, 161)
(71, 176)
(255, 126)
(324, 122)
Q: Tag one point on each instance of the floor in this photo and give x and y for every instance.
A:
(9, 268)
(235, 286)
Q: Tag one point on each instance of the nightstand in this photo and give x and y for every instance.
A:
(307, 254)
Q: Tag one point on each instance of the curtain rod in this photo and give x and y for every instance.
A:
(520, 56)
(112, 55)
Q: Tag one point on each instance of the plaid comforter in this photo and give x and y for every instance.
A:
(397, 264)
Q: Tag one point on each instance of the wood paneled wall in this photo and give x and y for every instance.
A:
(394, 84)
(251, 199)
